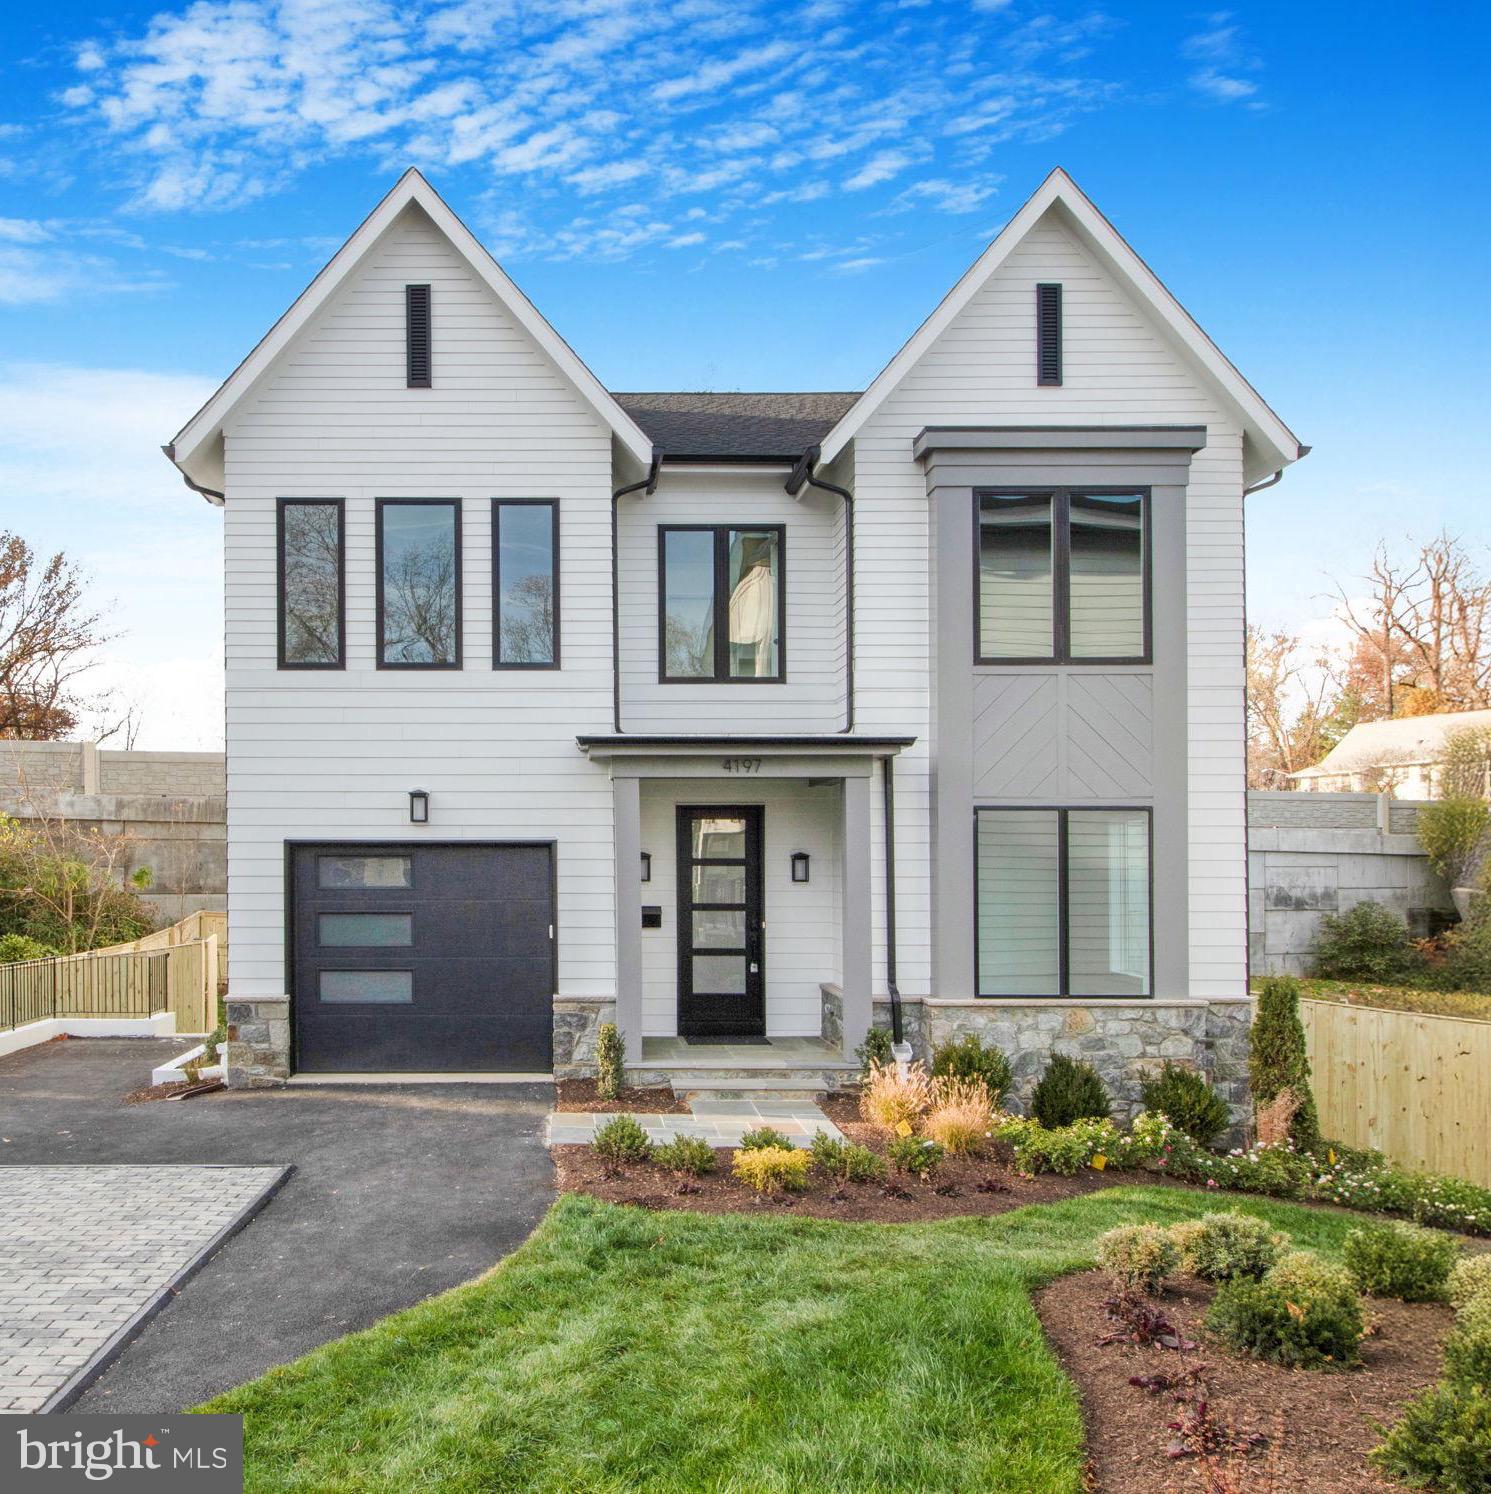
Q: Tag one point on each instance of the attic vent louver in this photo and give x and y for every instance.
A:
(1048, 334)
(417, 334)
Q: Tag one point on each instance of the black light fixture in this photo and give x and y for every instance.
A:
(799, 866)
(419, 807)
(647, 866)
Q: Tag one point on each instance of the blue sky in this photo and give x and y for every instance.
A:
(731, 194)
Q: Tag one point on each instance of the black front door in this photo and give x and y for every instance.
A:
(721, 934)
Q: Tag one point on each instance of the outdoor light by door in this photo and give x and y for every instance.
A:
(647, 866)
(419, 807)
(799, 866)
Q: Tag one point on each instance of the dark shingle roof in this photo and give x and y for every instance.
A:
(755, 426)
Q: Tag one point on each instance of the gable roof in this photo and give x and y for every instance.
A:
(1270, 444)
(750, 427)
(1400, 741)
(193, 447)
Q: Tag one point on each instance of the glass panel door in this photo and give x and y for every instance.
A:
(721, 946)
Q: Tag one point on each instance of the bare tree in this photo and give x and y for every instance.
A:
(1293, 706)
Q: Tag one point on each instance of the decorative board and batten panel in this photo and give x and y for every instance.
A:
(332, 755)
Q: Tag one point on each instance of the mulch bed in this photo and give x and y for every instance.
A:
(1320, 1426)
(579, 1094)
(153, 1092)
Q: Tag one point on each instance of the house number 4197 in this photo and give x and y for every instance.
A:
(742, 765)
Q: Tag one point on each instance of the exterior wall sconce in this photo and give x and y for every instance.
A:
(799, 866)
(419, 807)
(647, 866)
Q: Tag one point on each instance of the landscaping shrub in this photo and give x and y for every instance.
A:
(1424, 1197)
(1065, 1149)
(1452, 830)
(1470, 1280)
(917, 1154)
(845, 1162)
(1277, 1060)
(622, 1139)
(891, 1099)
(1225, 1247)
(1278, 1171)
(762, 1137)
(874, 1050)
(1467, 1351)
(1467, 949)
(772, 1169)
(1400, 1260)
(1304, 1313)
(1188, 1101)
(14, 947)
(962, 1114)
(1138, 1257)
(1366, 942)
(1443, 1441)
(968, 1058)
(1069, 1091)
(610, 1060)
(691, 1155)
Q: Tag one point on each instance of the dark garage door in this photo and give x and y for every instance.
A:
(410, 958)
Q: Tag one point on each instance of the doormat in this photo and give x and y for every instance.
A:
(728, 1042)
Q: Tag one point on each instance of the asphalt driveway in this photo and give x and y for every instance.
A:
(398, 1192)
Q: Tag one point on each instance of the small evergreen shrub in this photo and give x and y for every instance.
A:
(15, 947)
(1470, 1280)
(1304, 1314)
(1225, 1247)
(915, 1154)
(1065, 1150)
(1188, 1101)
(961, 1115)
(691, 1155)
(1467, 948)
(968, 1058)
(891, 1099)
(622, 1139)
(1366, 942)
(1138, 1257)
(764, 1136)
(772, 1169)
(845, 1162)
(1443, 1441)
(1400, 1260)
(874, 1050)
(1467, 1351)
(610, 1060)
(1277, 1059)
(1069, 1091)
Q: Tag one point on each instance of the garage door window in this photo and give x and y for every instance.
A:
(335, 872)
(365, 930)
(385, 987)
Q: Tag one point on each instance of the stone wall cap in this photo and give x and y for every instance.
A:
(1062, 1003)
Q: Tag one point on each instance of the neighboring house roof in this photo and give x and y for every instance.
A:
(757, 427)
(196, 448)
(1400, 742)
(1269, 444)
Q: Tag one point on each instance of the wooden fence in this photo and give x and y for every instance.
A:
(1415, 1087)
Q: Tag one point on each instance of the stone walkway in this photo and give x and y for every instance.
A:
(86, 1252)
(719, 1122)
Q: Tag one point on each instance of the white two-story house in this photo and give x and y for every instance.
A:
(745, 719)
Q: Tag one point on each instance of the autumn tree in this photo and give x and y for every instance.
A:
(1295, 711)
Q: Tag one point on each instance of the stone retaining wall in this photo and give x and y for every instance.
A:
(577, 1019)
(258, 1047)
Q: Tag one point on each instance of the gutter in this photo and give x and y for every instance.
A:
(802, 476)
(647, 486)
(210, 494)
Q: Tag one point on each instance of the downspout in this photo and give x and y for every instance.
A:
(802, 475)
(888, 769)
(210, 494)
(648, 485)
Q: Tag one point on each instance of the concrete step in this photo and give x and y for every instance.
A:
(748, 1090)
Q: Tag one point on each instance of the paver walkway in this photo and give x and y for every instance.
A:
(719, 1122)
(84, 1251)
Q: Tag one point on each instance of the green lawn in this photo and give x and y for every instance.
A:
(1475, 1004)
(620, 1349)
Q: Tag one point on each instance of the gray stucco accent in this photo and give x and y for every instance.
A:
(627, 803)
(952, 475)
(985, 438)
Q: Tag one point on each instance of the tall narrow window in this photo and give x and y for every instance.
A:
(1107, 576)
(1048, 334)
(417, 336)
(1063, 900)
(722, 609)
(1016, 569)
(419, 583)
(525, 583)
(312, 601)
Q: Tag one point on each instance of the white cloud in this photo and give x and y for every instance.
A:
(30, 276)
(1221, 87)
(717, 74)
(944, 196)
(1224, 60)
(881, 167)
(23, 231)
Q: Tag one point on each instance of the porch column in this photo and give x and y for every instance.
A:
(626, 799)
(854, 903)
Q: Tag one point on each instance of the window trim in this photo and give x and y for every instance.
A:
(1063, 955)
(721, 675)
(1061, 496)
(498, 504)
(379, 504)
(280, 505)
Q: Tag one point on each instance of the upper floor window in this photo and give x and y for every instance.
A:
(419, 583)
(525, 583)
(1063, 577)
(722, 611)
(312, 589)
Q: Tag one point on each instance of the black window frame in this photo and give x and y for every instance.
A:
(379, 504)
(418, 305)
(498, 504)
(1061, 574)
(721, 675)
(281, 504)
(1063, 880)
(1048, 335)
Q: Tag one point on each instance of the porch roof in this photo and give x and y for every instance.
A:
(627, 745)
